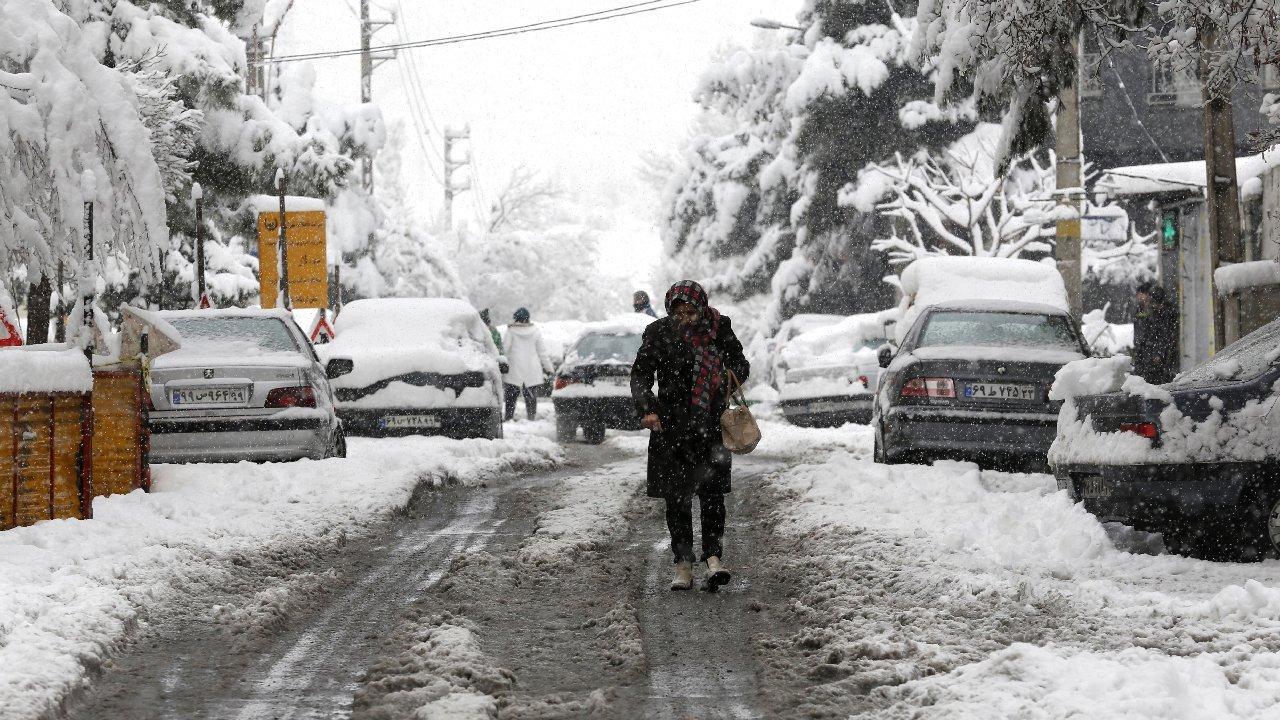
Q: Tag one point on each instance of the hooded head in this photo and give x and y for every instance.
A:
(686, 301)
(521, 315)
(640, 300)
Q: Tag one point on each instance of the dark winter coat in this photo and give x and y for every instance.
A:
(687, 457)
(1155, 341)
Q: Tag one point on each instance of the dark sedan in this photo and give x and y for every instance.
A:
(1198, 459)
(971, 380)
(593, 385)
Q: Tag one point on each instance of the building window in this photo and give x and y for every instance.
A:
(1173, 86)
(1091, 75)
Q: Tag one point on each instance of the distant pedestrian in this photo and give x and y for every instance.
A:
(493, 331)
(690, 353)
(1155, 335)
(640, 301)
(527, 361)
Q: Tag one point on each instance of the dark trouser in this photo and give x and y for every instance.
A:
(680, 524)
(530, 400)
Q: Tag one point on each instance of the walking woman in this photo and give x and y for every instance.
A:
(690, 353)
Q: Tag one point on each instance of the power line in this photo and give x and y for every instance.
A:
(599, 16)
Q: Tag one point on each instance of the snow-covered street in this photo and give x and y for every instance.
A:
(516, 578)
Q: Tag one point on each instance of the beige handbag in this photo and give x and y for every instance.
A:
(738, 426)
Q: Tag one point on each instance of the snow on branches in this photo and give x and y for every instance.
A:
(63, 112)
(954, 203)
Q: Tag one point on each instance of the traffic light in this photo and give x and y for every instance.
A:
(1169, 229)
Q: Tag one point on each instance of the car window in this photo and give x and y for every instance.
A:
(999, 329)
(598, 346)
(1245, 359)
(238, 334)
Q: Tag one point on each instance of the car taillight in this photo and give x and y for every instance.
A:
(928, 387)
(866, 381)
(563, 382)
(1145, 429)
(287, 397)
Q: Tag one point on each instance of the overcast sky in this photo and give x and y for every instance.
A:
(579, 103)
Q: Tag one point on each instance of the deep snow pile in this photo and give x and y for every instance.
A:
(1083, 624)
(71, 590)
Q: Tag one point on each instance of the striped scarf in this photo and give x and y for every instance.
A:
(701, 337)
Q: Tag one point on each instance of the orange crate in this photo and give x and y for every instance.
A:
(42, 471)
(120, 438)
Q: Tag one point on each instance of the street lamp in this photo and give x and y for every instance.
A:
(768, 24)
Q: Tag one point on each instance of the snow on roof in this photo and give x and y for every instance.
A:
(1005, 305)
(387, 337)
(292, 203)
(44, 368)
(936, 280)
(1180, 176)
(1234, 278)
(838, 343)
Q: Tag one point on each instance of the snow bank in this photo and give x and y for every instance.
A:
(588, 514)
(70, 590)
(1230, 279)
(43, 369)
(934, 280)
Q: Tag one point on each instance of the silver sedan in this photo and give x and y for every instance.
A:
(245, 385)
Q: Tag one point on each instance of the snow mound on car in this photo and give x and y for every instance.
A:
(934, 280)
(393, 336)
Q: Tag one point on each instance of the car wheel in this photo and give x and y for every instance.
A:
(593, 434)
(566, 428)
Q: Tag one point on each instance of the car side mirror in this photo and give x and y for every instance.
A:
(338, 367)
(885, 356)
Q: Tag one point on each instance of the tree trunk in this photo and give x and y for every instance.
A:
(39, 296)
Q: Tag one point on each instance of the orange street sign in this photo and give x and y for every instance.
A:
(308, 260)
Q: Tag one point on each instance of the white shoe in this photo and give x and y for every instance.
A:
(717, 575)
(683, 579)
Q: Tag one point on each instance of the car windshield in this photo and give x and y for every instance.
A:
(602, 347)
(236, 334)
(999, 329)
(1245, 359)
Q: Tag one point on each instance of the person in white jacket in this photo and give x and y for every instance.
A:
(527, 361)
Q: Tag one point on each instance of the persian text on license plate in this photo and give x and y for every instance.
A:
(411, 422)
(220, 395)
(1001, 391)
(1093, 487)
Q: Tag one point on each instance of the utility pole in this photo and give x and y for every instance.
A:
(1070, 185)
(201, 297)
(369, 61)
(450, 167)
(1222, 196)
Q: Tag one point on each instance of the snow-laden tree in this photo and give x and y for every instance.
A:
(1016, 54)
(754, 212)
(411, 261)
(952, 202)
(64, 112)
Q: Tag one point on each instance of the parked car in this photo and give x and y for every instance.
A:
(593, 385)
(832, 371)
(405, 366)
(1197, 459)
(790, 329)
(245, 385)
(971, 381)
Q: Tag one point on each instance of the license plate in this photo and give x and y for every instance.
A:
(1001, 391)
(223, 395)
(410, 422)
(1094, 487)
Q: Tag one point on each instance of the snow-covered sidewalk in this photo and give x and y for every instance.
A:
(991, 595)
(71, 590)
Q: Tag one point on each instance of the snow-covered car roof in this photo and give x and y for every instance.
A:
(934, 280)
(618, 325)
(838, 344)
(387, 337)
(1009, 306)
(217, 351)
